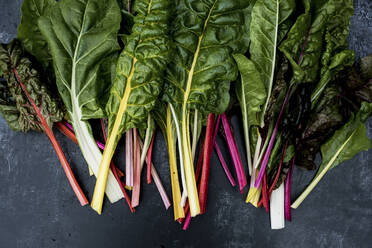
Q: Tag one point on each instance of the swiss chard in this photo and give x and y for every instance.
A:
(138, 80)
(267, 16)
(82, 38)
(198, 77)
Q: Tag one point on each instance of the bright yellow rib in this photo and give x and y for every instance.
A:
(186, 146)
(176, 192)
(110, 147)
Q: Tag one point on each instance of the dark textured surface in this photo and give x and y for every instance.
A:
(38, 208)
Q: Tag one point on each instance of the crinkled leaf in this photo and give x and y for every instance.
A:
(29, 33)
(8, 107)
(347, 141)
(206, 34)
(304, 44)
(140, 68)
(322, 122)
(15, 106)
(338, 62)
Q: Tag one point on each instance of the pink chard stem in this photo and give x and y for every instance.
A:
(242, 180)
(129, 158)
(219, 153)
(137, 170)
(187, 222)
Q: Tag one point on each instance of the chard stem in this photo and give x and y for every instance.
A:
(242, 180)
(189, 167)
(61, 156)
(137, 170)
(176, 192)
(184, 187)
(277, 208)
(224, 165)
(265, 159)
(129, 158)
(287, 192)
(207, 152)
(115, 170)
(157, 181)
(320, 176)
(195, 134)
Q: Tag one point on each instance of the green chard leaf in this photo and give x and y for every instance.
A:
(346, 142)
(14, 104)
(267, 16)
(304, 46)
(206, 34)
(140, 68)
(251, 94)
(29, 33)
(82, 38)
(139, 79)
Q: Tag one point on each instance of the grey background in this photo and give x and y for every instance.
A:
(39, 209)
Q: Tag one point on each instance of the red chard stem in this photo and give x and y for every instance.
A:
(48, 131)
(207, 152)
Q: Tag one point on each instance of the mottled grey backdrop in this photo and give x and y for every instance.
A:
(38, 208)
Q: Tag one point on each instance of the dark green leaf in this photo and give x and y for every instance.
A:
(304, 44)
(206, 34)
(140, 68)
(250, 90)
(14, 104)
(29, 33)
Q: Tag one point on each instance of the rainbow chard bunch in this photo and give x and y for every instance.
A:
(181, 67)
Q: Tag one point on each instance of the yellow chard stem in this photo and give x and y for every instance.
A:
(189, 168)
(176, 192)
(110, 147)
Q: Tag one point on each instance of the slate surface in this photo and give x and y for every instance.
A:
(38, 208)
